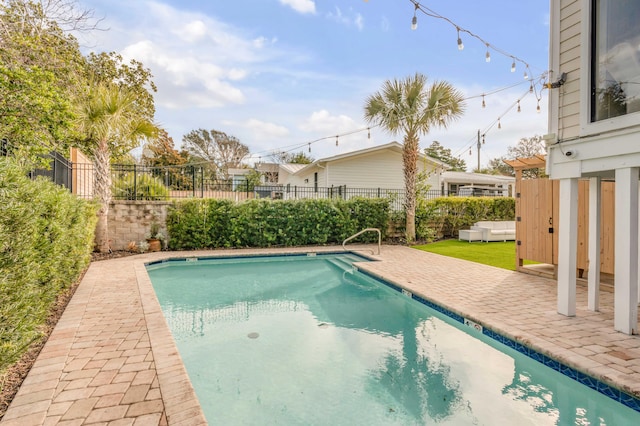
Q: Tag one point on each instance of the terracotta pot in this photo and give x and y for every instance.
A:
(154, 244)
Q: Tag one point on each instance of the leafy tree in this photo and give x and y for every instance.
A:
(411, 107)
(41, 68)
(525, 148)
(110, 121)
(110, 67)
(292, 158)
(219, 150)
(439, 152)
(162, 152)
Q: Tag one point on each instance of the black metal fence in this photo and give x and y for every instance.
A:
(135, 182)
(59, 171)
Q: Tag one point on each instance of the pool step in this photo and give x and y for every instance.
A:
(343, 265)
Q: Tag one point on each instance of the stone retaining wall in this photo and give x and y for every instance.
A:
(130, 221)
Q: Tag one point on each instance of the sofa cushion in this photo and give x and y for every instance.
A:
(502, 231)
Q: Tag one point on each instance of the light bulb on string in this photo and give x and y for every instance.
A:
(531, 88)
(309, 147)
(526, 75)
(518, 105)
(499, 125)
(483, 139)
(487, 56)
(470, 151)
(460, 45)
(483, 102)
(336, 140)
(538, 107)
(414, 21)
(368, 133)
(513, 66)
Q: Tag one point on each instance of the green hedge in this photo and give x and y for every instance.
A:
(195, 224)
(445, 216)
(46, 238)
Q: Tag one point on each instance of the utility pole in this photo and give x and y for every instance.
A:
(479, 145)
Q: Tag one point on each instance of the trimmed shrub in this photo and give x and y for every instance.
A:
(46, 238)
(143, 187)
(445, 216)
(194, 224)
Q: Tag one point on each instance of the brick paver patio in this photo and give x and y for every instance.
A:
(111, 359)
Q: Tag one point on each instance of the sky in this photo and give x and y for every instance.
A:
(281, 74)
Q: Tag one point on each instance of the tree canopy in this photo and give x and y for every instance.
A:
(525, 148)
(439, 152)
(219, 150)
(41, 71)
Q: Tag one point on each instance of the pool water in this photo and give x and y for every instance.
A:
(306, 340)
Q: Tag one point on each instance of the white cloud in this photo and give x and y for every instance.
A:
(269, 130)
(338, 16)
(323, 121)
(302, 6)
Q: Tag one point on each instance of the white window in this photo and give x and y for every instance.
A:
(615, 58)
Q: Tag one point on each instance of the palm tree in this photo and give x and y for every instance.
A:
(410, 107)
(111, 123)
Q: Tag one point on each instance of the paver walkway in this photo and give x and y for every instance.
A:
(111, 359)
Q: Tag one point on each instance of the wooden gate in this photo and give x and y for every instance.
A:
(536, 213)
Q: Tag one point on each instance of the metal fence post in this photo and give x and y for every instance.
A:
(135, 183)
(201, 182)
(193, 179)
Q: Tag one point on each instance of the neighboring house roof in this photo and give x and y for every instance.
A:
(394, 146)
(476, 178)
(237, 172)
(292, 168)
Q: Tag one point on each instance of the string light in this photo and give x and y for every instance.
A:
(483, 102)
(414, 21)
(483, 139)
(309, 147)
(538, 107)
(368, 133)
(526, 75)
(431, 13)
(531, 88)
(499, 125)
(518, 105)
(337, 140)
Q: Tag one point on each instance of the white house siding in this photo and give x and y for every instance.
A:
(570, 49)
(374, 170)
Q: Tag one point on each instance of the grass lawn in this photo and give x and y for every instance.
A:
(498, 253)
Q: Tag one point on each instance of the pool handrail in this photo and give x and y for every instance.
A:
(362, 232)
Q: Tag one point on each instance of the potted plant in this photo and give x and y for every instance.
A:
(155, 236)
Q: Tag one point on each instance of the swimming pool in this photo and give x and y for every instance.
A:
(306, 340)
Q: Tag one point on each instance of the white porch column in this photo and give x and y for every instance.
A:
(567, 246)
(595, 201)
(625, 317)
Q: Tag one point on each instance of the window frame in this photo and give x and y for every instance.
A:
(587, 66)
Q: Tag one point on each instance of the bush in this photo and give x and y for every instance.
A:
(194, 224)
(46, 238)
(445, 216)
(143, 187)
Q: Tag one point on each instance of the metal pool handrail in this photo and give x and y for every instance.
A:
(362, 232)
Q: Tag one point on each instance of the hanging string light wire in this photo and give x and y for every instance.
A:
(534, 83)
(433, 14)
